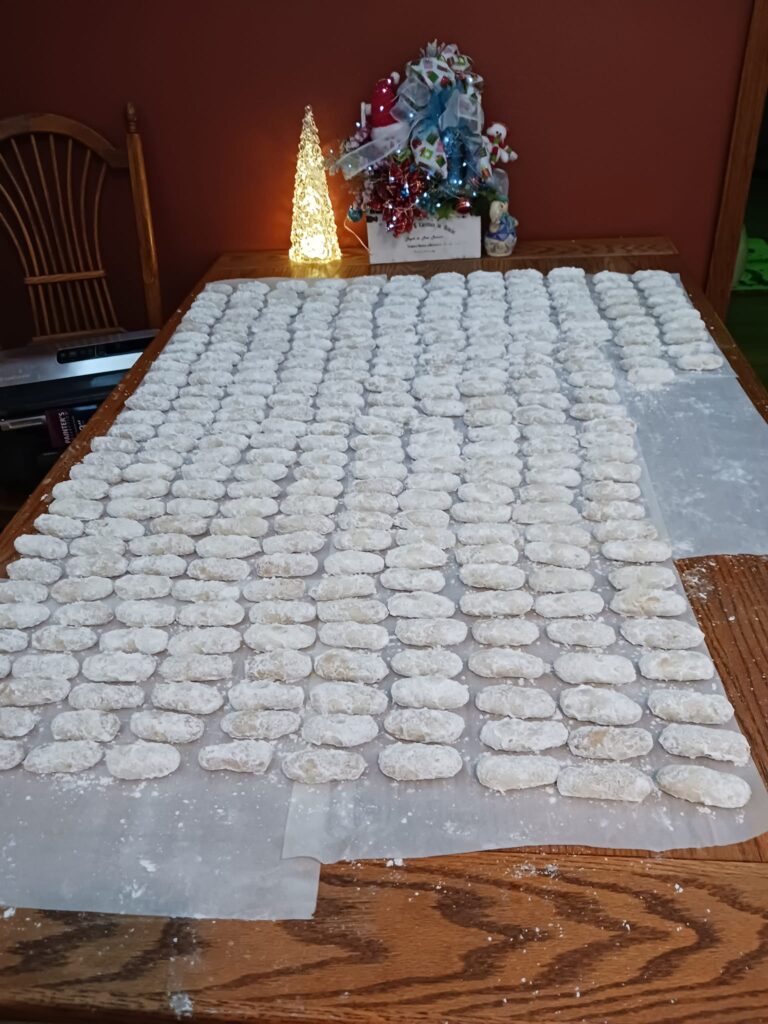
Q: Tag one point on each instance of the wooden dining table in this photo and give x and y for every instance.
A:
(546, 934)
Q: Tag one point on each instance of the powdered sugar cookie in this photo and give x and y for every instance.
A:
(492, 603)
(136, 588)
(211, 613)
(353, 634)
(429, 580)
(602, 707)
(499, 663)
(188, 525)
(20, 615)
(492, 576)
(166, 726)
(636, 550)
(350, 666)
(523, 736)
(641, 602)
(45, 666)
(118, 667)
(37, 545)
(275, 637)
(245, 526)
(557, 554)
(134, 641)
(602, 511)
(143, 613)
(265, 696)
(703, 741)
(314, 767)
(690, 706)
(344, 563)
(228, 569)
(260, 725)
(505, 632)
(22, 592)
(347, 699)
(604, 782)
(704, 786)
(553, 579)
(283, 613)
(438, 692)
(339, 730)
(430, 632)
(342, 587)
(17, 722)
(84, 588)
(253, 756)
(424, 725)
(83, 613)
(643, 577)
(515, 701)
(479, 554)
(285, 666)
(353, 609)
(416, 556)
(213, 640)
(89, 724)
(430, 662)
(544, 512)
(610, 669)
(480, 512)
(415, 762)
(624, 530)
(12, 640)
(700, 361)
(487, 492)
(473, 534)
(31, 692)
(579, 633)
(676, 666)
(63, 527)
(610, 743)
(274, 589)
(187, 697)
(33, 570)
(63, 756)
(666, 634)
(420, 605)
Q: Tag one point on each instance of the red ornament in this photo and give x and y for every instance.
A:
(382, 101)
(394, 194)
(463, 205)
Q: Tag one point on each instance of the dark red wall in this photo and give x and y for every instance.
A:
(620, 110)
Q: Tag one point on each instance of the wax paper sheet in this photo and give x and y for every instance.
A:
(210, 845)
(197, 844)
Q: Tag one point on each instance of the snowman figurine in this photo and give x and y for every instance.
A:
(501, 236)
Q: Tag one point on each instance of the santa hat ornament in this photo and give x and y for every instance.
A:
(382, 101)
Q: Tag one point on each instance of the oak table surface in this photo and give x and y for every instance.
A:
(553, 934)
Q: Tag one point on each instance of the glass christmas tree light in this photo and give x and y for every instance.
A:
(313, 228)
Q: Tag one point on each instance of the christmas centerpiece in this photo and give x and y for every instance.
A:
(423, 168)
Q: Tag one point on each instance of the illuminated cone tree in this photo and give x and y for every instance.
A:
(313, 229)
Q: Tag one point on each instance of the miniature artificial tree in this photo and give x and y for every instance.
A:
(313, 228)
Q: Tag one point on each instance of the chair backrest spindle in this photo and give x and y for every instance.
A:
(52, 175)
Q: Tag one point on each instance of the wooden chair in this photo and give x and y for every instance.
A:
(52, 172)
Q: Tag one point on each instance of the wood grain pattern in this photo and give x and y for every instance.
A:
(560, 935)
(486, 937)
(747, 120)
